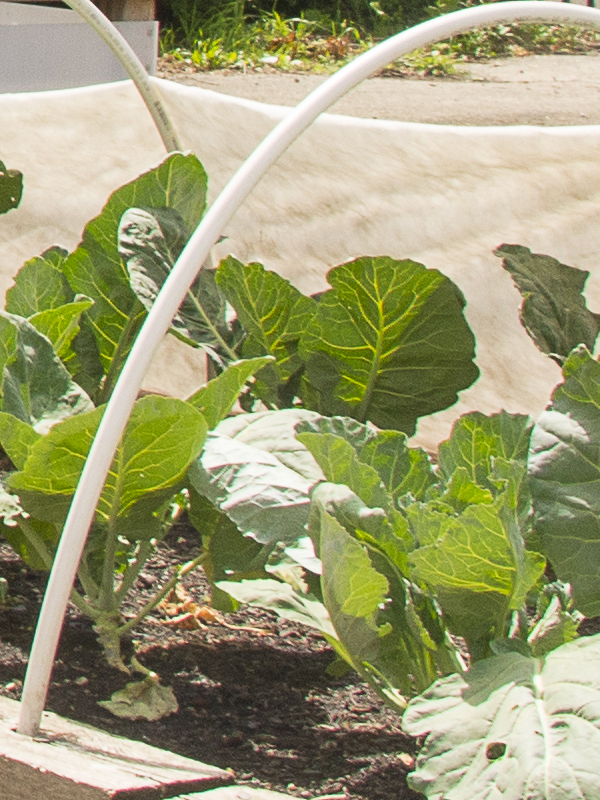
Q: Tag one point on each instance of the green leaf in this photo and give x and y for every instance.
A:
(229, 555)
(40, 285)
(36, 387)
(403, 470)
(512, 727)
(61, 325)
(265, 499)
(564, 469)
(476, 441)
(275, 432)
(365, 523)
(340, 464)
(95, 268)
(553, 312)
(274, 315)
(389, 343)
(555, 628)
(162, 438)
(145, 699)
(479, 571)
(368, 616)
(11, 188)
(216, 399)
(17, 438)
(150, 242)
(284, 601)
(33, 540)
(461, 492)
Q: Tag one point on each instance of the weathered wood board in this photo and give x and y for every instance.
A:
(71, 761)
(235, 793)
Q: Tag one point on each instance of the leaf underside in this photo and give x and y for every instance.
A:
(512, 727)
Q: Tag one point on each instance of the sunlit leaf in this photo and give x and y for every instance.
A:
(40, 285)
(389, 343)
(150, 242)
(274, 315)
(513, 727)
(216, 399)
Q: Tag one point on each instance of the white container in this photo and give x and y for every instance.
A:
(53, 48)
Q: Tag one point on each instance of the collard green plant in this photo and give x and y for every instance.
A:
(162, 438)
(387, 343)
(82, 301)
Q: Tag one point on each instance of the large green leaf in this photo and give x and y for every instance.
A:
(389, 343)
(150, 242)
(274, 315)
(476, 441)
(340, 464)
(36, 386)
(479, 571)
(11, 188)
(553, 312)
(216, 399)
(513, 727)
(162, 437)
(565, 480)
(266, 499)
(95, 268)
(275, 432)
(40, 285)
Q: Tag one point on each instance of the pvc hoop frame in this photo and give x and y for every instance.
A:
(185, 270)
(132, 65)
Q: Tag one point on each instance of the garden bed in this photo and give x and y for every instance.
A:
(257, 700)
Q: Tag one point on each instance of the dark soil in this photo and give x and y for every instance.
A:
(257, 701)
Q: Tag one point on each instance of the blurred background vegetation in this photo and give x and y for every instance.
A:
(320, 35)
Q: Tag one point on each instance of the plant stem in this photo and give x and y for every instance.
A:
(134, 569)
(107, 598)
(151, 604)
(82, 605)
(40, 548)
(90, 587)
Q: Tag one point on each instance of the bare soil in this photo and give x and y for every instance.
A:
(254, 695)
(547, 90)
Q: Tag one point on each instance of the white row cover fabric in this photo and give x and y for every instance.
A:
(442, 195)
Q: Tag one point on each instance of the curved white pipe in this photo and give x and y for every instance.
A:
(193, 256)
(132, 65)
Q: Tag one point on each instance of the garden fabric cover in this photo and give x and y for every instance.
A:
(442, 195)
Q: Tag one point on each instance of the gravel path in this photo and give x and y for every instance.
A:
(533, 90)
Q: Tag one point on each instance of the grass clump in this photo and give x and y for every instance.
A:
(297, 36)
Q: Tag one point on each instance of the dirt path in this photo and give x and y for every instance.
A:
(533, 90)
